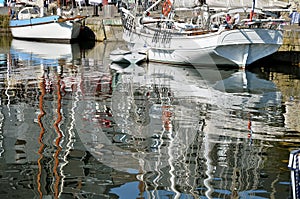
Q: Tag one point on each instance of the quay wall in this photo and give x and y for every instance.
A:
(291, 39)
(109, 29)
(105, 24)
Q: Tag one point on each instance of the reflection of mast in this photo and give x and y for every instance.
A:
(171, 161)
(209, 167)
(159, 174)
(236, 173)
(58, 139)
(40, 151)
(8, 82)
(167, 127)
(70, 135)
(196, 149)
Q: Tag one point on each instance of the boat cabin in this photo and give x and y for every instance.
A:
(28, 13)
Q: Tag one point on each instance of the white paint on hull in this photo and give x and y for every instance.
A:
(240, 46)
(54, 31)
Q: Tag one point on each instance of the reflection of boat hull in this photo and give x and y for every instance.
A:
(241, 46)
(46, 28)
(46, 52)
(127, 57)
(224, 89)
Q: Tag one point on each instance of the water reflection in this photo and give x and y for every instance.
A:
(40, 140)
(74, 125)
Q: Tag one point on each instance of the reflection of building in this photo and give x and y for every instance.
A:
(287, 81)
(292, 104)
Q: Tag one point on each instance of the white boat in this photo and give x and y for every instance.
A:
(127, 57)
(31, 24)
(204, 38)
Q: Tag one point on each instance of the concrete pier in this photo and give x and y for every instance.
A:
(107, 25)
(109, 29)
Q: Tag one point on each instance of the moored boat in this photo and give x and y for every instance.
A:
(205, 39)
(31, 23)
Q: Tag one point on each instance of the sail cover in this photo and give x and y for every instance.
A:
(187, 3)
(245, 3)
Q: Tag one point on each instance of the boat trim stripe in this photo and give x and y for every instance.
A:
(60, 20)
(35, 24)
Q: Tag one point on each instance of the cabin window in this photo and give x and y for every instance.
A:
(34, 11)
(25, 11)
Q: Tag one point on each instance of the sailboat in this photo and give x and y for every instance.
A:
(31, 23)
(197, 34)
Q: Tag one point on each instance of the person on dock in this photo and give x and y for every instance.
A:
(11, 8)
(295, 17)
(236, 19)
(227, 17)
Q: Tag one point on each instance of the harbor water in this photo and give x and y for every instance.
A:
(75, 125)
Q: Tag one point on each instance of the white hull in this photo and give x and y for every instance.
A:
(45, 29)
(239, 46)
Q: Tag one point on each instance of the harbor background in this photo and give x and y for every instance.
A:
(65, 129)
(105, 25)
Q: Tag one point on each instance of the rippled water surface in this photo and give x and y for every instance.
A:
(73, 125)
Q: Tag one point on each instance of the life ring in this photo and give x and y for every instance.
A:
(167, 6)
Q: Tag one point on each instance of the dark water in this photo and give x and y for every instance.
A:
(75, 126)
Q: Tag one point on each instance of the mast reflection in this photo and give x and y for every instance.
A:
(58, 139)
(42, 132)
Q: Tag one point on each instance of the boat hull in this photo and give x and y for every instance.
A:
(45, 28)
(239, 47)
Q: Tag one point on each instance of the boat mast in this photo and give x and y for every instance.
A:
(252, 10)
(58, 8)
(40, 4)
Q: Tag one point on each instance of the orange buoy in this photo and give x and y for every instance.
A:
(167, 6)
